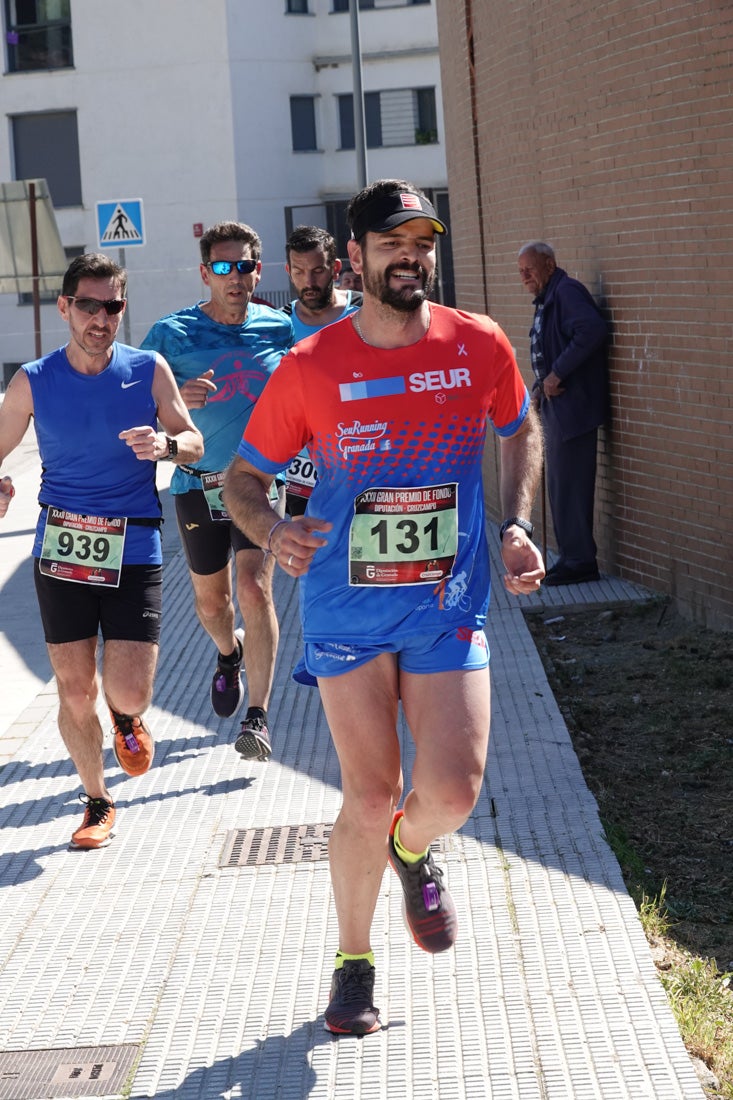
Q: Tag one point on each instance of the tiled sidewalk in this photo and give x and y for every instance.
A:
(192, 958)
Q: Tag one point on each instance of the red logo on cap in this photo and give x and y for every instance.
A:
(410, 202)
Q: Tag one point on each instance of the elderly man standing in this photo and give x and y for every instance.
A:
(394, 404)
(568, 342)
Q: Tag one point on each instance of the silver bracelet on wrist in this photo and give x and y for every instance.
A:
(273, 529)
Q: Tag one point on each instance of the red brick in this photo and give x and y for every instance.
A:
(607, 131)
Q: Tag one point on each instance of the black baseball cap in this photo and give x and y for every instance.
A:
(385, 212)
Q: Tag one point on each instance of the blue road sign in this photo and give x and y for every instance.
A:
(120, 223)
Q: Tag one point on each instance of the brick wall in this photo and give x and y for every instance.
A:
(607, 130)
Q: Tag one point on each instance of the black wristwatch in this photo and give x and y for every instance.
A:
(515, 520)
(172, 447)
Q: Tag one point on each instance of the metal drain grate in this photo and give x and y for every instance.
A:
(65, 1071)
(276, 844)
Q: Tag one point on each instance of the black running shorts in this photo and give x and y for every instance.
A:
(131, 612)
(208, 543)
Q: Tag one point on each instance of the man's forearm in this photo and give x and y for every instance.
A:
(189, 446)
(246, 497)
(521, 467)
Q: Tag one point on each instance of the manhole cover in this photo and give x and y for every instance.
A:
(65, 1071)
(276, 844)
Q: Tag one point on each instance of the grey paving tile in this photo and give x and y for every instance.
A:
(221, 974)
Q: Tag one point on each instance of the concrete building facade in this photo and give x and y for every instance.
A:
(204, 112)
(608, 131)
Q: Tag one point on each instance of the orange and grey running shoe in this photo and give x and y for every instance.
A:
(95, 830)
(428, 907)
(351, 1010)
(132, 742)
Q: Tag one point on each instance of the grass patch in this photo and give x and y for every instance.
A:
(700, 996)
(648, 702)
(702, 1002)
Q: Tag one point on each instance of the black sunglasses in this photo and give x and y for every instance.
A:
(223, 267)
(92, 306)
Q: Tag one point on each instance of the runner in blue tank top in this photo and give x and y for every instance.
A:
(97, 557)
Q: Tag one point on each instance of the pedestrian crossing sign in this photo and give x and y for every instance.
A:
(120, 223)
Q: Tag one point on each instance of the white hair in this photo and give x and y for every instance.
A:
(542, 248)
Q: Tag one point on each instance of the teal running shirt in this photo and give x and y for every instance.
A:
(242, 357)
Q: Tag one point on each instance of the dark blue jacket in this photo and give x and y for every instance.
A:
(574, 346)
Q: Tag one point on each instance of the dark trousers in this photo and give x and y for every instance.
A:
(570, 473)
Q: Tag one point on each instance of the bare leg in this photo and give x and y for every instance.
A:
(75, 668)
(361, 707)
(128, 670)
(449, 714)
(262, 631)
(214, 607)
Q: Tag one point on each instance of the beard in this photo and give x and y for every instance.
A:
(323, 301)
(406, 300)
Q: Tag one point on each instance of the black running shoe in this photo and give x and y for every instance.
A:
(227, 691)
(350, 1010)
(253, 742)
(428, 907)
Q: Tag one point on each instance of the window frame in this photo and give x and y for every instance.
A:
(63, 175)
(373, 120)
(342, 6)
(427, 115)
(312, 121)
(50, 29)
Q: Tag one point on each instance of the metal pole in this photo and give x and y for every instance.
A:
(544, 515)
(126, 314)
(359, 124)
(34, 268)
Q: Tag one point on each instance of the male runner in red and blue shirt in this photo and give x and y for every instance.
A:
(393, 404)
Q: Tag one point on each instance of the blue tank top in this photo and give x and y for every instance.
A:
(86, 468)
(300, 330)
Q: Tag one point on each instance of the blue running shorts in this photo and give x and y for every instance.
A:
(464, 647)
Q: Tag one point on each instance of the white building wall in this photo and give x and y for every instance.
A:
(187, 106)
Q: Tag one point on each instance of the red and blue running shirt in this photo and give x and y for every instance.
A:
(397, 436)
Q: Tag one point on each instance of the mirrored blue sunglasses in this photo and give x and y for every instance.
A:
(224, 267)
